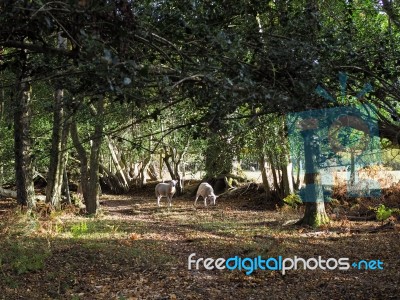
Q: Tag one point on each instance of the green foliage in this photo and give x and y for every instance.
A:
(390, 156)
(196, 66)
(79, 229)
(23, 258)
(6, 153)
(383, 212)
(293, 200)
(219, 155)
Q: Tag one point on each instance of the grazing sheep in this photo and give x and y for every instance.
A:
(206, 191)
(165, 190)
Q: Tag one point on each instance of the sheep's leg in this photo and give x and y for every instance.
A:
(158, 200)
(205, 201)
(169, 200)
(195, 201)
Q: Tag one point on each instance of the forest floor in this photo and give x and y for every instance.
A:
(136, 250)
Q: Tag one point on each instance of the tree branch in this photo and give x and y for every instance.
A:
(36, 48)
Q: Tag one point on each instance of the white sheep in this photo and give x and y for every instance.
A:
(165, 190)
(206, 191)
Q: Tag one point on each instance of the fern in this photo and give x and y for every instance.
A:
(383, 212)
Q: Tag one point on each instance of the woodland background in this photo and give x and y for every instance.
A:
(100, 100)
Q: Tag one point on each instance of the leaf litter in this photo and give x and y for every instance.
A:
(135, 250)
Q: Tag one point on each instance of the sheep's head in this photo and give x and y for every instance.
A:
(173, 183)
(212, 198)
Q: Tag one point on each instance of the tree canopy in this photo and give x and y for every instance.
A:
(135, 71)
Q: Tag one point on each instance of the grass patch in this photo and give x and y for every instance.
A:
(101, 229)
(20, 257)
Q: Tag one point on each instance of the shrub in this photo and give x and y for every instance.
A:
(293, 200)
(383, 212)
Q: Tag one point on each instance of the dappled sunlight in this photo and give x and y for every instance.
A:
(141, 250)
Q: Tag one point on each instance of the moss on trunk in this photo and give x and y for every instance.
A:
(315, 215)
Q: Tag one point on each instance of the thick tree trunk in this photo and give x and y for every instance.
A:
(22, 141)
(315, 214)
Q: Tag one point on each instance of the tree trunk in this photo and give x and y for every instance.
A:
(1, 174)
(82, 158)
(89, 176)
(161, 165)
(1, 119)
(352, 169)
(297, 182)
(110, 181)
(173, 159)
(121, 173)
(264, 176)
(92, 203)
(66, 187)
(315, 214)
(271, 161)
(168, 164)
(22, 140)
(287, 179)
(143, 171)
(56, 168)
(172, 171)
(55, 176)
(178, 177)
(152, 172)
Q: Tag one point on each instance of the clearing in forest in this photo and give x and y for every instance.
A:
(135, 250)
